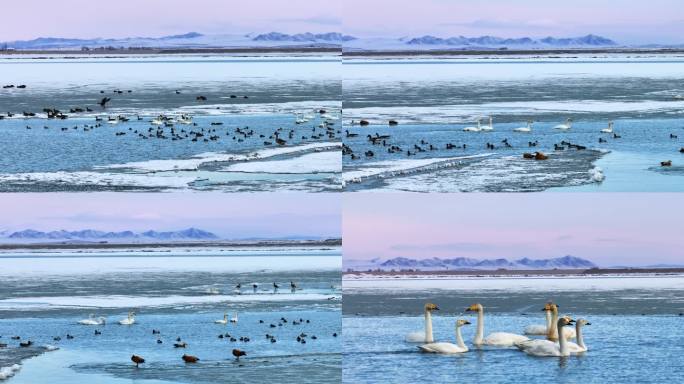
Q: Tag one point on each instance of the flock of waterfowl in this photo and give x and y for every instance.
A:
(425, 146)
(178, 342)
(556, 342)
(166, 127)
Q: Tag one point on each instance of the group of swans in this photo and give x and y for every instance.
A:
(481, 128)
(528, 128)
(225, 320)
(562, 347)
(92, 320)
(553, 345)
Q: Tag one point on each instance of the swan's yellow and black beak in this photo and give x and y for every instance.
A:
(587, 323)
(466, 322)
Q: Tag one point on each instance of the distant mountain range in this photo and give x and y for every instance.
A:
(492, 41)
(464, 263)
(94, 235)
(187, 40)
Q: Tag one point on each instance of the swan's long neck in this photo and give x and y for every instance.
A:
(562, 342)
(548, 320)
(459, 338)
(428, 327)
(479, 334)
(478, 124)
(551, 334)
(490, 122)
(580, 339)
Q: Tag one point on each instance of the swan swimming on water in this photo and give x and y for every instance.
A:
(130, 320)
(459, 347)
(539, 347)
(525, 129)
(489, 127)
(566, 126)
(424, 336)
(609, 129)
(224, 320)
(552, 332)
(495, 339)
(234, 319)
(578, 347)
(540, 329)
(91, 320)
(473, 129)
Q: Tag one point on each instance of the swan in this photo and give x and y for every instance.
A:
(489, 127)
(545, 347)
(609, 129)
(566, 126)
(528, 128)
(130, 320)
(234, 319)
(578, 347)
(424, 336)
(224, 320)
(473, 129)
(459, 347)
(93, 320)
(540, 329)
(552, 332)
(495, 339)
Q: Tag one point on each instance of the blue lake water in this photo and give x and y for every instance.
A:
(181, 297)
(247, 102)
(635, 329)
(433, 100)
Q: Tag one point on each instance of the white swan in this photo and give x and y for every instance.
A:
(91, 320)
(223, 321)
(495, 339)
(540, 329)
(609, 129)
(552, 332)
(526, 129)
(424, 336)
(473, 129)
(489, 127)
(545, 347)
(234, 319)
(459, 347)
(566, 126)
(578, 347)
(130, 320)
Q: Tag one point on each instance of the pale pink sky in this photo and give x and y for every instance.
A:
(607, 228)
(627, 21)
(233, 215)
(28, 19)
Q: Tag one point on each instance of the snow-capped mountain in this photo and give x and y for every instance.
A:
(464, 263)
(429, 42)
(188, 40)
(94, 235)
(334, 37)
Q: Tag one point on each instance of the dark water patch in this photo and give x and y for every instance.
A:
(620, 302)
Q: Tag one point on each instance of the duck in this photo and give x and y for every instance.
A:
(137, 360)
(190, 358)
(237, 353)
